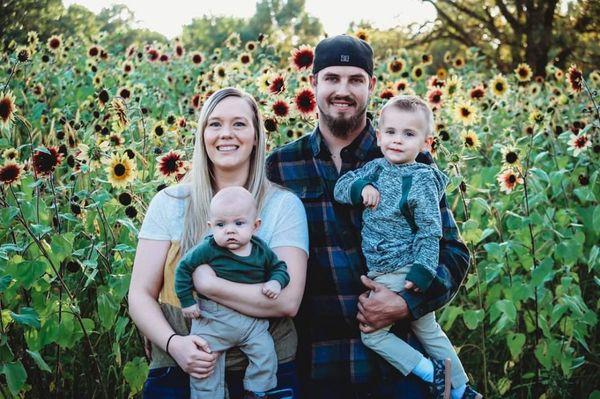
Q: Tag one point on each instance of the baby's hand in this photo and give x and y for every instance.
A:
(409, 285)
(271, 289)
(370, 196)
(191, 312)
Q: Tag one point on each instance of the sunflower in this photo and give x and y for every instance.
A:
(45, 160)
(477, 93)
(510, 156)
(219, 72)
(386, 94)
(54, 43)
(152, 54)
(23, 54)
(508, 180)
(465, 113)
(171, 166)
(447, 57)
(277, 84)
(10, 173)
(196, 101)
(395, 66)
(362, 34)
(120, 170)
(7, 109)
(435, 82)
(179, 50)
(197, 57)
(523, 72)
(159, 129)
(264, 82)
(401, 85)
(233, 41)
(305, 101)
(536, 116)
(280, 108)
(559, 74)
(418, 72)
(245, 58)
(441, 73)
(435, 96)
(595, 77)
(251, 46)
(302, 58)
(579, 143)
(127, 67)
(575, 78)
(426, 59)
(32, 40)
(469, 139)
(453, 85)
(499, 85)
(10, 154)
(459, 62)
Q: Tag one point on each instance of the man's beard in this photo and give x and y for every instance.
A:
(341, 127)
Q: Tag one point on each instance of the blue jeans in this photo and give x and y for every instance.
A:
(174, 383)
(409, 387)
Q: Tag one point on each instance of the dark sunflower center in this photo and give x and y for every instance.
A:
(119, 169)
(5, 108)
(465, 112)
(512, 179)
(418, 72)
(469, 141)
(171, 165)
(499, 86)
(511, 157)
(304, 59)
(9, 173)
(159, 130)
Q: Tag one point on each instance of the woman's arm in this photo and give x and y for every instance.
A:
(248, 299)
(190, 352)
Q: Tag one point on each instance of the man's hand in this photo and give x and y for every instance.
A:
(409, 285)
(380, 307)
(204, 279)
(191, 312)
(271, 289)
(370, 196)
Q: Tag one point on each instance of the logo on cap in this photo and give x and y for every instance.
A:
(344, 58)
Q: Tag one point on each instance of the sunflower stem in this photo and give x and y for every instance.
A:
(12, 72)
(589, 93)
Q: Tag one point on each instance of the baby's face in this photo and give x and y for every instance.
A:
(233, 224)
(402, 135)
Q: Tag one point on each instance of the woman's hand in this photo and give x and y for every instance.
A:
(205, 279)
(193, 355)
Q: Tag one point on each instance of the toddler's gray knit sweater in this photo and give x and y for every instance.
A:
(404, 230)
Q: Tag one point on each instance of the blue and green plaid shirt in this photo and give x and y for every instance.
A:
(329, 338)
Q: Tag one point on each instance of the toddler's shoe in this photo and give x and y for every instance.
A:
(470, 393)
(253, 395)
(441, 385)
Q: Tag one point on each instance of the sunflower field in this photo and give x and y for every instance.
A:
(88, 136)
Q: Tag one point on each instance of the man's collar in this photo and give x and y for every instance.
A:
(361, 145)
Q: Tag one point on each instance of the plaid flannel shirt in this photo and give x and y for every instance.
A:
(329, 338)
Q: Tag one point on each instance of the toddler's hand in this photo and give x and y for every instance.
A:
(370, 196)
(271, 289)
(409, 285)
(191, 312)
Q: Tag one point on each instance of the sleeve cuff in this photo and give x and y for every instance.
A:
(281, 280)
(356, 191)
(187, 301)
(420, 275)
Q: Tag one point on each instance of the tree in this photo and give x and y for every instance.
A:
(513, 31)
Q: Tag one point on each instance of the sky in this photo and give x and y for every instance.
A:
(168, 17)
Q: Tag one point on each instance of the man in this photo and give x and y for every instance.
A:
(333, 363)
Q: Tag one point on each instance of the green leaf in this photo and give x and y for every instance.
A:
(135, 373)
(5, 282)
(26, 273)
(515, 343)
(472, 318)
(7, 215)
(37, 358)
(542, 273)
(28, 317)
(542, 355)
(503, 385)
(596, 219)
(593, 259)
(15, 376)
(449, 315)
(107, 311)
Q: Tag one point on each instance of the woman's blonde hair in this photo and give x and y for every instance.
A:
(200, 178)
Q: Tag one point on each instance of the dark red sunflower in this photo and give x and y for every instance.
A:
(153, 55)
(179, 50)
(434, 96)
(10, 173)
(196, 101)
(277, 85)
(172, 165)
(575, 77)
(197, 58)
(45, 160)
(302, 58)
(93, 51)
(305, 101)
(477, 93)
(280, 108)
(386, 94)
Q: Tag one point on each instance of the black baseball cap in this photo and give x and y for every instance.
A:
(343, 50)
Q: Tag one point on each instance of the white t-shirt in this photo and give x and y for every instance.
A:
(283, 218)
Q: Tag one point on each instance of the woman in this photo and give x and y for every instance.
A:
(229, 150)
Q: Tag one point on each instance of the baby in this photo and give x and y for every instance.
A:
(400, 238)
(236, 255)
